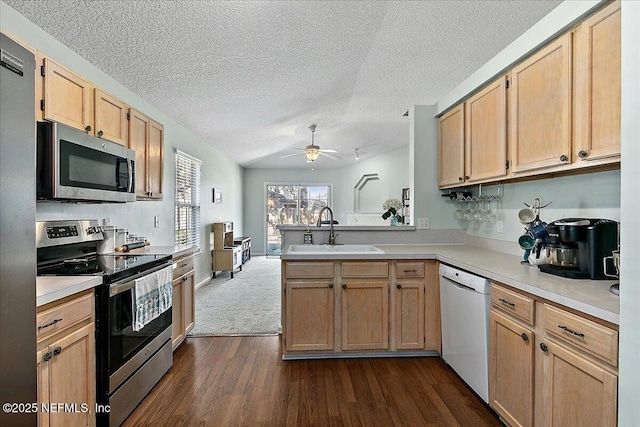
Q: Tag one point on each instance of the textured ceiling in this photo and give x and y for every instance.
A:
(249, 77)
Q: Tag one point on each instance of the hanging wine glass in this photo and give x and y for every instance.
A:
(468, 215)
(459, 213)
(477, 213)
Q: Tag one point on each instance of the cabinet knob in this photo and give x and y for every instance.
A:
(344, 286)
(87, 128)
(184, 279)
(543, 347)
(460, 178)
(467, 177)
(582, 154)
(100, 133)
(330, 285)
(399, 286)
(564, 158)
(525, 337)
(47, 356)
(57, 351)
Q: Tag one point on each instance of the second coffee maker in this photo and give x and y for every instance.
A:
(577, 246)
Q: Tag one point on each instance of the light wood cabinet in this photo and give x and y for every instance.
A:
(577, 391)
(511, 367)
(66, 361)
(486, 133)
(408, 306)
(309, 315)
(146, 139)
(557, 370)
(451, 145)
(183, 304)
(540, 109)
(110, 117)
(597, 81)
(225, 256)
(67, 97)
(365, 314)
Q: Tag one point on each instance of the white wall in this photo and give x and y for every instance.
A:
(217, 170)
(629, 392)
(392, 167)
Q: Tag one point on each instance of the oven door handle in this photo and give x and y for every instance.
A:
(119, 287)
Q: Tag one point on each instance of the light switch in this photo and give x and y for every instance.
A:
(423, 223)
(156, 221)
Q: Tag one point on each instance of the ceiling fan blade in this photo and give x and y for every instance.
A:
(328, 150)
(331, 156)
(289, 155)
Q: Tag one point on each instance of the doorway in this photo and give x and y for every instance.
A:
(292, 204)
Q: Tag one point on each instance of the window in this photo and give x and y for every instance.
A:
(293, 204)
(187, 201)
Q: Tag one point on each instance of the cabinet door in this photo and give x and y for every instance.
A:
(67, 97)
(597, 86)
(576, 391)
(365, 315)
(409, 315)
(138, 137)
(110, 117)
(511, 366)
(154, 160)
(486, 133)
(540, 108)
(72, 377)
(177, 315)
(189, 303)
(43, 385)
(451, 142)
(309, 315)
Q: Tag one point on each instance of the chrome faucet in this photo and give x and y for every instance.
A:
(332, 237)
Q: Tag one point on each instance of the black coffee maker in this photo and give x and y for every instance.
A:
(577, 246)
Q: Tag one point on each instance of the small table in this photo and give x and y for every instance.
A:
(245, 242)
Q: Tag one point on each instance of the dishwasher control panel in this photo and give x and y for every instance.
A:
(477, 283)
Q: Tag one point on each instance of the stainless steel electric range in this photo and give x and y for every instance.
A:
(128, 363)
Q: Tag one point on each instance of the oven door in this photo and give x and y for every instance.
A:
(129, 349)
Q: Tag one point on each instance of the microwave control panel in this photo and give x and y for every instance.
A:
(62, 231)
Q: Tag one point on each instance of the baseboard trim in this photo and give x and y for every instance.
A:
(290, 356)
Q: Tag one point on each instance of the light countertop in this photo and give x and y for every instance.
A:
(53, 288)
(591, 297)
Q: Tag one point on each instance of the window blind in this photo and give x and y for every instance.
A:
(187, 201)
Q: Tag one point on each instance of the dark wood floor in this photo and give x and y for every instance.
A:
(228, 381)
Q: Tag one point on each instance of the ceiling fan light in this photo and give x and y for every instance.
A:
(312, 155)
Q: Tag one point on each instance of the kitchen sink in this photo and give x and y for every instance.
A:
(333, 249)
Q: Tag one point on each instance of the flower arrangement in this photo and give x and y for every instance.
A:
(393, 207)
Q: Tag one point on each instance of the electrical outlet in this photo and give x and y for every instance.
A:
(156, 221)
(423, 223)
(499, 226)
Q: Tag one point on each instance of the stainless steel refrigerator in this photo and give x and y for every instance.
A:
(17, 233)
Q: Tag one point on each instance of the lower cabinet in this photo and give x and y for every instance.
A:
(550, 366)
(66, 362)
(359, 306)
(183, 305)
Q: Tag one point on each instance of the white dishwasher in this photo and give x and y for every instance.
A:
(464, 307)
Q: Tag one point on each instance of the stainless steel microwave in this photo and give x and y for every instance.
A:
(74, 166)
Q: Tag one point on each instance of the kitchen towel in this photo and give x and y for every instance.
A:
(152, 296)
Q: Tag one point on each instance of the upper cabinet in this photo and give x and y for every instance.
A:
(451, 137)
(597, 86)
(146, 139)
(540, 108)
(110, 117)
(486, 133)
(67, 98)
(74, 101)
(558, 110)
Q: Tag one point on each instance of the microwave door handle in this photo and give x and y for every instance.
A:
(119, 162)
(131, 184)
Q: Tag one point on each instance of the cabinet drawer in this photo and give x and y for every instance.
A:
(365, 269)
(597, 340)
(409, 269)
(57, 318)
(303, 270)
(517, 305)
(182, 265)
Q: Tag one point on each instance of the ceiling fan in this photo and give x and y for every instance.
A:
(312, 152)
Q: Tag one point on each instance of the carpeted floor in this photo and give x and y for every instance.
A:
(248, 304)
